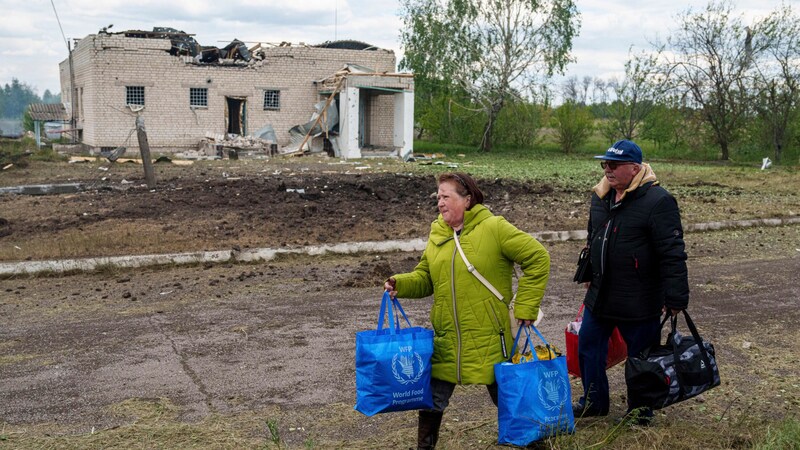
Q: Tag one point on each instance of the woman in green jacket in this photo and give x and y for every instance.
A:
(471, 324)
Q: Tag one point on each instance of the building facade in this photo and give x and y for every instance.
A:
(110, 79)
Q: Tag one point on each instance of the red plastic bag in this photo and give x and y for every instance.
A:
(617, 350)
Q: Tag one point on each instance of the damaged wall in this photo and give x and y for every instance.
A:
(105, 64)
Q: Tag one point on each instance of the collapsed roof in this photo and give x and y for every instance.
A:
(185, 44)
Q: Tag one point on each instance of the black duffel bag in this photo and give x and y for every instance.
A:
(679, 369)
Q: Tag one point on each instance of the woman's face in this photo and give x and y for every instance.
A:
(451, 204)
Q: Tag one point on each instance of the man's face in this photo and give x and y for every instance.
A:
(620, 174)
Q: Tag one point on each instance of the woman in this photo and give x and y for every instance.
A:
(471, 325)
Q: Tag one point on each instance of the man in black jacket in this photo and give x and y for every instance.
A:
(638, 266)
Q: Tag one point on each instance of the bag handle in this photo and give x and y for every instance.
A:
(580, 312)
(527, 340)
(385, 301)
(698, 341)
(396, 305)
(390, 306)
(695, 335)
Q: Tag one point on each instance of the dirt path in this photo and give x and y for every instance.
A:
(278, 339)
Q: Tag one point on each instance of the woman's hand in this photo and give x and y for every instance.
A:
(525, 322)
(390, 286)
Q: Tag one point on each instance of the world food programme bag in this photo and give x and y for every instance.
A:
(617, 349)
(679, 369)
(534, 397)
(393, 371)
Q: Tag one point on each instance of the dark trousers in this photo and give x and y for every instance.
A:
(593, 352)
(443, 390)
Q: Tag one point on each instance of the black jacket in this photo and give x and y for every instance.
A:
(638, 256)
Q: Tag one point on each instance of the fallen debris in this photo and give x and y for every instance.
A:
(42, 189)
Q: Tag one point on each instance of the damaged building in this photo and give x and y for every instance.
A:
(342, 97)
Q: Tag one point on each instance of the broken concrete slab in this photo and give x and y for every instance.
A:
(43, 189)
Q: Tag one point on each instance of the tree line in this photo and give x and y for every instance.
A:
(483, 76)
(16, 96)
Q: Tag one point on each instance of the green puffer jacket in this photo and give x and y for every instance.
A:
(467, 318)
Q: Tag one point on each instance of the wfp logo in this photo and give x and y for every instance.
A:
(407, 367)
(552, 390)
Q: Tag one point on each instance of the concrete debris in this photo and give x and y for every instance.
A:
(234, 145)
(43, 189)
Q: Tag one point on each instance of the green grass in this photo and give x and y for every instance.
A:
(782, 436)
(580, 171)
(20, 151)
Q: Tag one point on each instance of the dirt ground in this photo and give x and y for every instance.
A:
(254, 344)
(244, 204)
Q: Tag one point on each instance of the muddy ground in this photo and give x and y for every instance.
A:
(253, 344)
(245, 204)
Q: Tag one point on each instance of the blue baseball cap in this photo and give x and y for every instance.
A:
(623, 150)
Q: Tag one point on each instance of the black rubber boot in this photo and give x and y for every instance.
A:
(428, 430)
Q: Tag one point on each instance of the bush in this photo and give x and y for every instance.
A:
(573, 125)
(518, 125)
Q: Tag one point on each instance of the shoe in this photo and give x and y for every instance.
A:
(579, 410)
(642, 417)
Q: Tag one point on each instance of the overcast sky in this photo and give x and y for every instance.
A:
(31, 43)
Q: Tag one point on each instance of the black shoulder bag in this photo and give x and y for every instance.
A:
(584, 271)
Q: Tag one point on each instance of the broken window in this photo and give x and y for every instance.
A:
(272, 100)
(134, 95)
(198, 97)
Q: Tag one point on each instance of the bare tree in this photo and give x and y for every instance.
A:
(709, 57)
(586, 83)
(636, 96)
(776, 79)
(599, 91)
(569, 89)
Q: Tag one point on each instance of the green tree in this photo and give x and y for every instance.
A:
(489, 49)
(573, 125)
(708, 59)
(27, 121)
(15, 98)
(49, 97)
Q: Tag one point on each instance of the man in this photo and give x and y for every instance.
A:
(638, 270)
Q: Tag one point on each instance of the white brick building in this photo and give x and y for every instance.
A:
(117, 76)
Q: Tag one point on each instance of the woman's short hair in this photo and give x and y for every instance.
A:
(465, 186)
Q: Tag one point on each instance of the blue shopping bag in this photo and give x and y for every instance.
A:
(534, 398)
(393, 365)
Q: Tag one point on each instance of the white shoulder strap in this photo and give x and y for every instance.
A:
(474, 271)
(488, 285)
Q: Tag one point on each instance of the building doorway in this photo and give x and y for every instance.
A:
(235, 115)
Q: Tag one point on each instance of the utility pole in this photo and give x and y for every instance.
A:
(73, 122)
(144, 149)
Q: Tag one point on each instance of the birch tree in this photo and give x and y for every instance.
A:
(489, 49)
